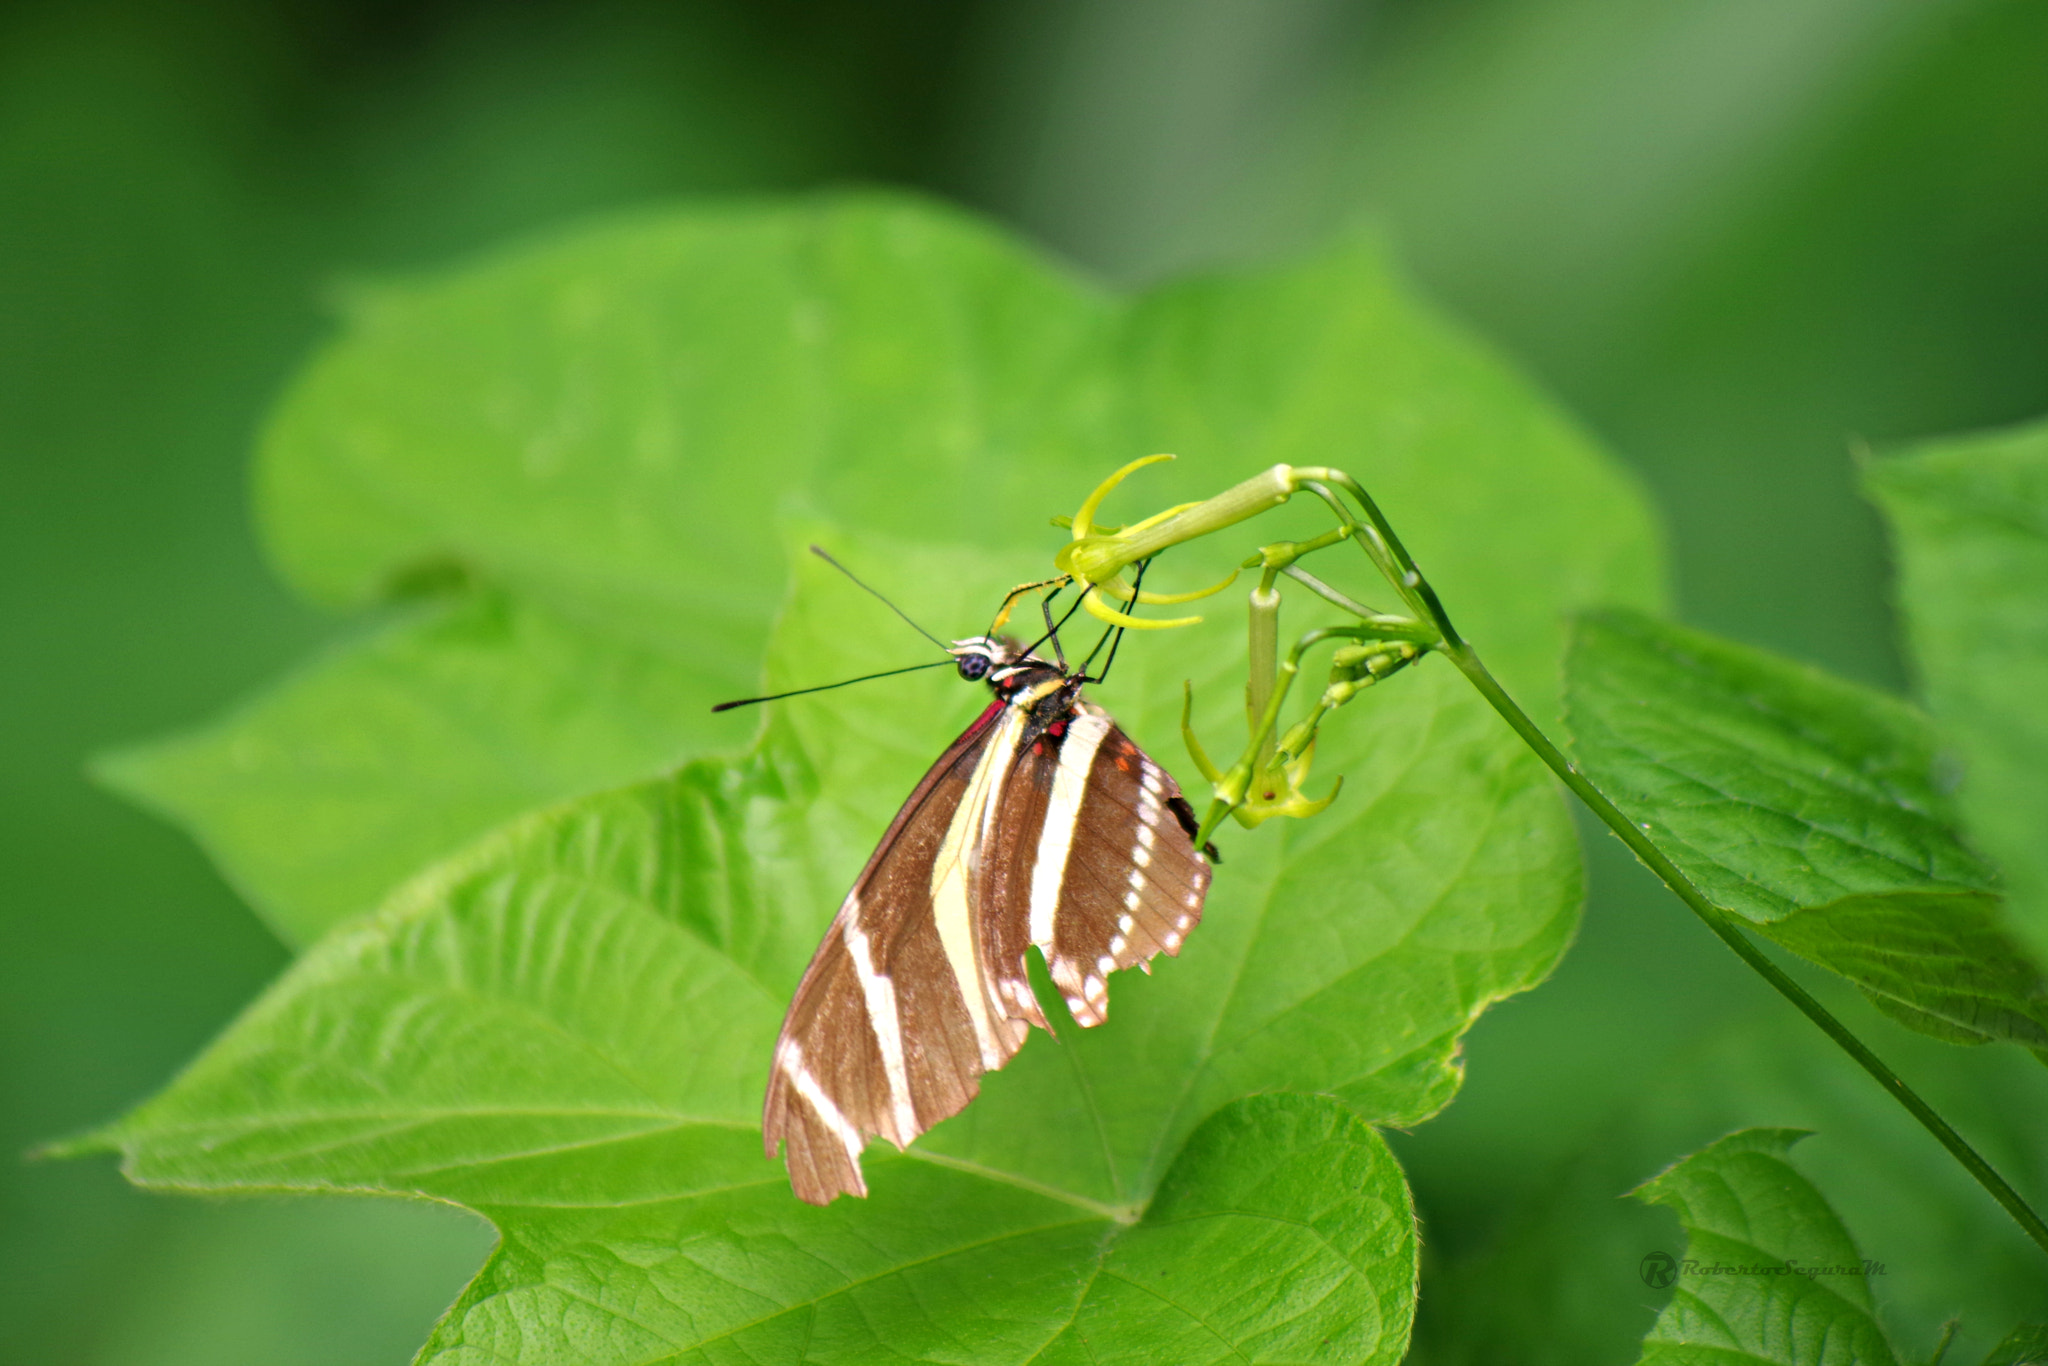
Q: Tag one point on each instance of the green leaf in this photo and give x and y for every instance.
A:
(600, 419)
(604, 429)
(567, 1024)
(568, 1027)
(1808, 806)
(1969, 520)
(1769, 1273)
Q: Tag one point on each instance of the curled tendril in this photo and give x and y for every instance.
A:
(1098, 559)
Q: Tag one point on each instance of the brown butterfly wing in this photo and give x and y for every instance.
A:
(1094, 863)
(1055, 831)
(880, 1039)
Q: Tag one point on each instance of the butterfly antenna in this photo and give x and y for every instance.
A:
(828, 687)
(820, 553)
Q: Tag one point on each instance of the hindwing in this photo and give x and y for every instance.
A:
(1096, 866)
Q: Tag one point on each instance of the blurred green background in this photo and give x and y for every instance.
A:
(1737, 237)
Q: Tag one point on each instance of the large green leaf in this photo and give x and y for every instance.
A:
(567, 1028)
(1281, 1233)
(1970, 525)
(566, 1025)
(1808, 806)
(604, 429)
(1769, 1273)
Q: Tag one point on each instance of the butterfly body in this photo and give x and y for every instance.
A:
(1041, 825)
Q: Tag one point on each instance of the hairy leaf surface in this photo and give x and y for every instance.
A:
(2023, 1346)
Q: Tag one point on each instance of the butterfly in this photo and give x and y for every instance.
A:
(1042, 825)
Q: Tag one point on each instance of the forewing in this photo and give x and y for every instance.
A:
(880, 1039)
(1009, 871)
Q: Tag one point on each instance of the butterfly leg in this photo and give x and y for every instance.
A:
(1010, 598)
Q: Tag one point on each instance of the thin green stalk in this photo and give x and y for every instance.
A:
(1717, 920)
(1095, 559)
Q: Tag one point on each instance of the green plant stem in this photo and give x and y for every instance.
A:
(1467, 660)
(1263, 649)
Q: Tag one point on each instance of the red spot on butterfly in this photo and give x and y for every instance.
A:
(1038, 746)
(1123, 763)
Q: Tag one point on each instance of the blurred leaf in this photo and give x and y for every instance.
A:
(289, 1283)
(1738, 232)
(605, 428)
(1801, 1298)
(1950, 1251)
(1807, 806)
(1970, 523)
(2026, 1345)
(611, 420)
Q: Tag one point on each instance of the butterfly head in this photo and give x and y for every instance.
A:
(976, 656)
(998, 661)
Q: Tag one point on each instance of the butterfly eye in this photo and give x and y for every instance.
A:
(973, 667)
